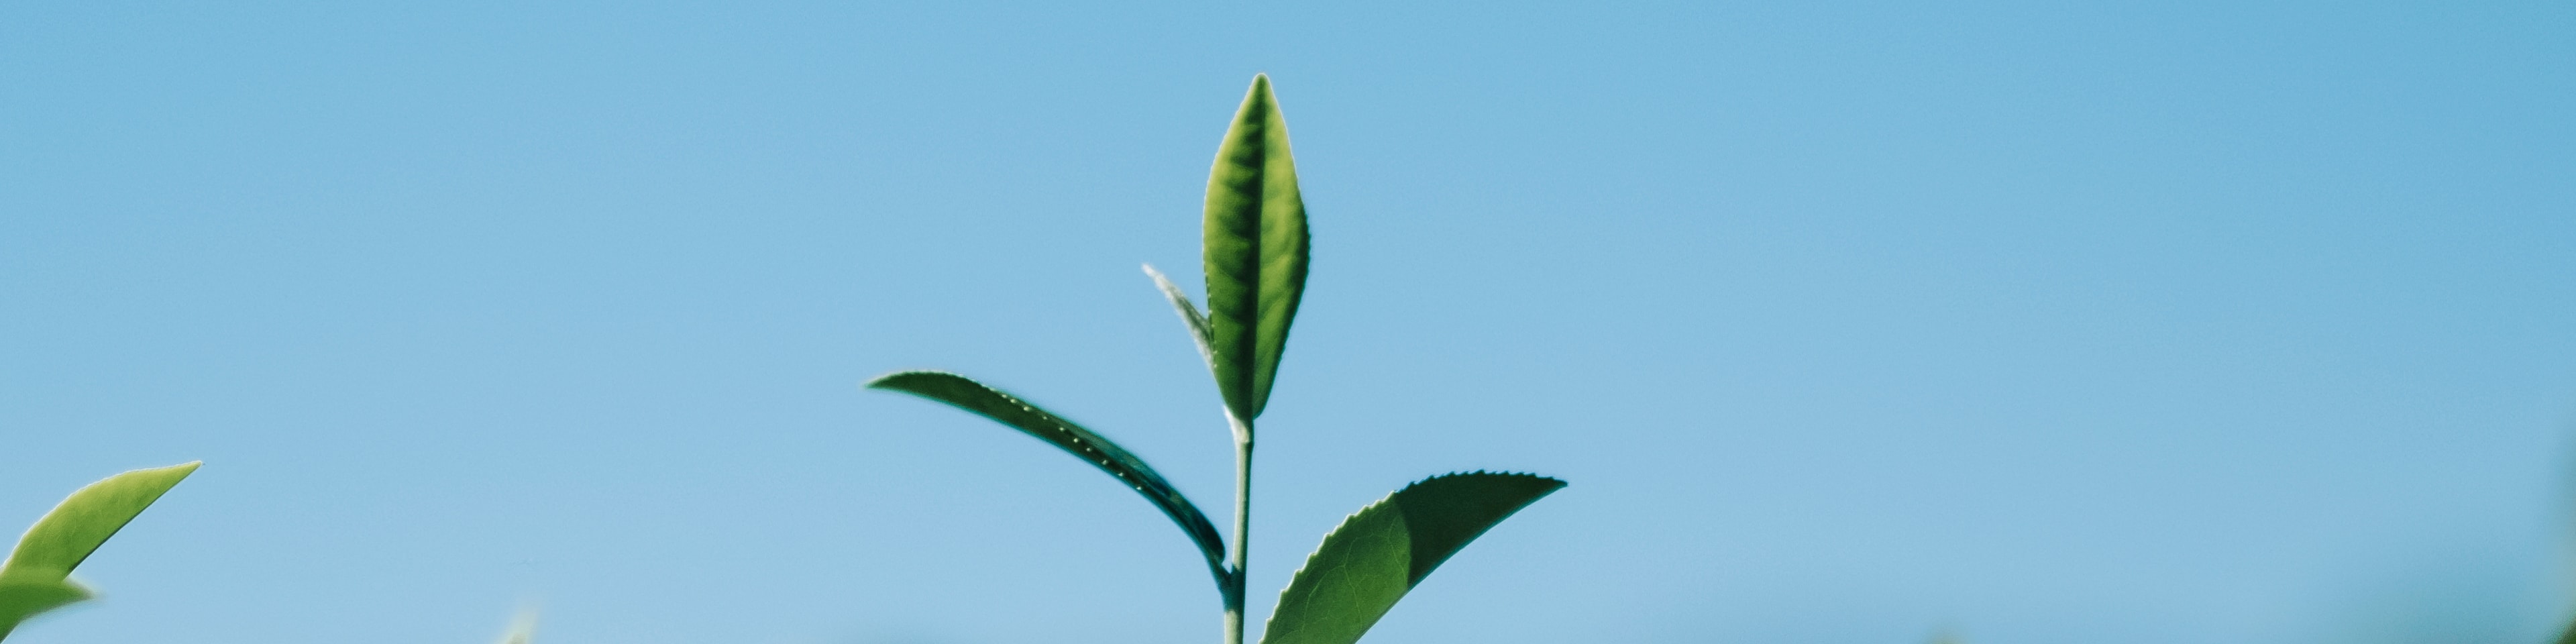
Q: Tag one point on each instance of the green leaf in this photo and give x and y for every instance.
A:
(1255, 248)
(22, 600)
(1197, 324)
(1090, 447)
(1378, 554)
(36, 578)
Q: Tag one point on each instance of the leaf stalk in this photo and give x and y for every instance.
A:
(1241, 549)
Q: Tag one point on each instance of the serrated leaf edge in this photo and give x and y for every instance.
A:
(1347, 520)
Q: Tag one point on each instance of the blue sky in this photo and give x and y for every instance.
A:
(1848, 322)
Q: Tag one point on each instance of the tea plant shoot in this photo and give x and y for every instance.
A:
(1254, 252)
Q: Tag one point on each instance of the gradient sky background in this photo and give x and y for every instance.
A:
(2217, 322)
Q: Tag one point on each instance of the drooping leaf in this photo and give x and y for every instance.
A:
(1255, 251)
(1074, 439)
(35, 579)
(1190, 318)
(1386, 549)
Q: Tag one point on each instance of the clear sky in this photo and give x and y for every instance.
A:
(2037, 322)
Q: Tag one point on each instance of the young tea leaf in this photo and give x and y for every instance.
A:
(35, 579)
(1255, 251)
(1378, 554)
(1090, 447)
(1190, 318)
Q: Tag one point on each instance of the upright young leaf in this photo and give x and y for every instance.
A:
(1378, 554)
(1255, 251)
(1090, 447)
(36, 578)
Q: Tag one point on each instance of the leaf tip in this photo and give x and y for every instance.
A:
(523, 627)
(896, 380)
(1189, 312)
(182, 470)
(1261, 91)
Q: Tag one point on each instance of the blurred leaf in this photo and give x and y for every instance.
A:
(1378, 554)
(22, 600)
(1197, 324)
(35, 579)
(523, 629)
(1255, 251)
(1090, 447)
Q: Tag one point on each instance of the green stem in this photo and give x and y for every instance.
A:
(1242, 529)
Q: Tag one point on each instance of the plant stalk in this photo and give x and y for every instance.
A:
(1242, 548)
